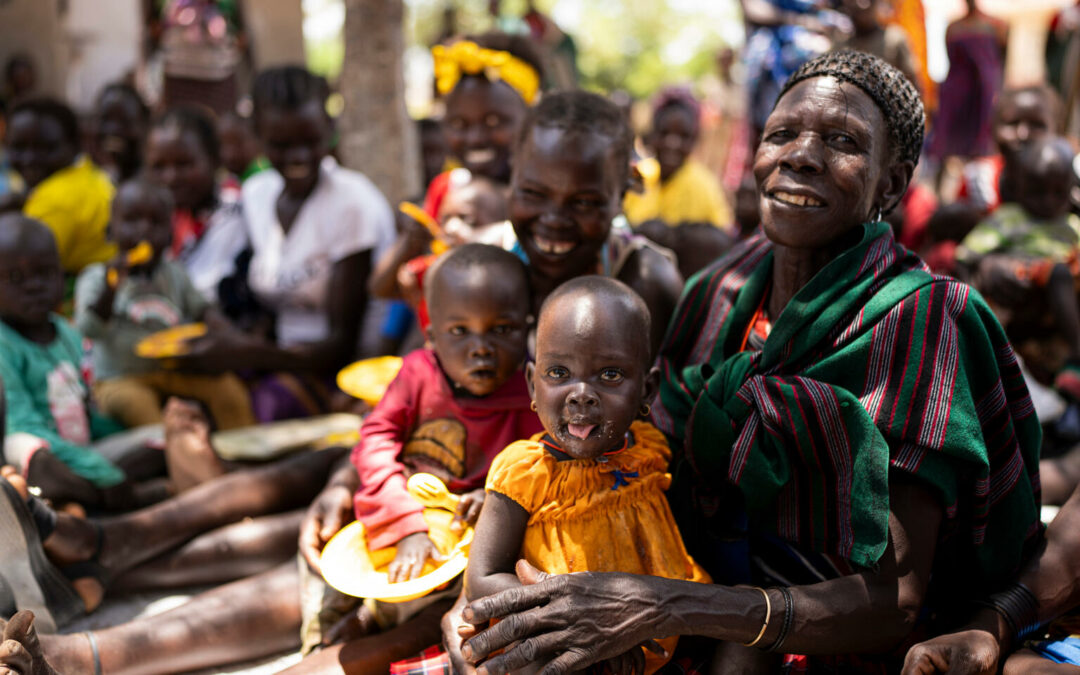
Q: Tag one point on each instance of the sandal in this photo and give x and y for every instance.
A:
(34, 582)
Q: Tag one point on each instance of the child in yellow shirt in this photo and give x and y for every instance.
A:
(65, 190)
(588, 493)
(677, 189)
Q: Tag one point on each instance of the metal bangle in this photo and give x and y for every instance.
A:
(785, 627)
(768, 614)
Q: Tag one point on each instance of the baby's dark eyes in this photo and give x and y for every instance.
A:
(611, 375)
(456, 330)
(557, 372)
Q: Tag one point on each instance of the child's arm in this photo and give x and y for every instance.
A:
(94, 302)
(382, 501)
(101, 295)
(496, 547)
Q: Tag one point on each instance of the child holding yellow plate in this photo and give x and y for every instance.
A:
(121, 303)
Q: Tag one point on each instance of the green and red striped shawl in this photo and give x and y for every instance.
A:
(875, 366)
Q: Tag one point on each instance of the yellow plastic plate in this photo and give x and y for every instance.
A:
(348, 566)
(169, 342)
(367, 380)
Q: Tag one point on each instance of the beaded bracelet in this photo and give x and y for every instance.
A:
(789, 612)
(768, 613)
(1019, 607)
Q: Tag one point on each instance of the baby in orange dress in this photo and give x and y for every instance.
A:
(588, 493)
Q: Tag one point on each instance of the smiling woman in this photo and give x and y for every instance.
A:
(570, 174)
(839, 419)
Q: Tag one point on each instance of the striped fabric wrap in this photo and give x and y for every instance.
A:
(875, 370)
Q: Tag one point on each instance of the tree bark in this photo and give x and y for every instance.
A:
(377, 136)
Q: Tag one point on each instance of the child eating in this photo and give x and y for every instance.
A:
(120, 303)
(452, 407)
(473, 210)
(588, 493)
(678, 189)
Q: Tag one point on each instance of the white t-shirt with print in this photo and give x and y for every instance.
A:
(290, 273)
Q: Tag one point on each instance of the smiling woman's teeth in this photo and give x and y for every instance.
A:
(553, 247)
(795, 200)
(479, 156)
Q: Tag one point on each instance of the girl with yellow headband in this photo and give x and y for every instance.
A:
(487, 83)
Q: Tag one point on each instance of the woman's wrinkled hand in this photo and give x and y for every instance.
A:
(563, 623)
(331, 511)
(970, 652)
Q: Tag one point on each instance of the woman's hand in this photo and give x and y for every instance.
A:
(564, 622)
(331, 511)
(971, 652)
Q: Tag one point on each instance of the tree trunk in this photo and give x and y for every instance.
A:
(377, 137)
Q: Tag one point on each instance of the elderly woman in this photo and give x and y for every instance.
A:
(851, 434)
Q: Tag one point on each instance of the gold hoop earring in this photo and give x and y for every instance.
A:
(645, 409)
(532, 406)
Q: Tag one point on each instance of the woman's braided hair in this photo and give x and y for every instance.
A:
(893, 93)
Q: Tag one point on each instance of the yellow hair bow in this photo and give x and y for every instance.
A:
(469, 58)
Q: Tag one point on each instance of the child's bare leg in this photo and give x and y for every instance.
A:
(1062, 296)
(188, 454)
(374, 653)
(240, 621)
(232, 552)
(134, 538)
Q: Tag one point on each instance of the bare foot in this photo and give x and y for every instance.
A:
(11, 475)
(72, 540)
(58, 482)
(20, 652)
(188, 453)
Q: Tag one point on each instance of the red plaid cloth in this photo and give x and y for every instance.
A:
(431, 660)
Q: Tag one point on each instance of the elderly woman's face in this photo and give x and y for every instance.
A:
(821, 164)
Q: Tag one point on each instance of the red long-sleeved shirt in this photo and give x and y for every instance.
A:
(419, 425)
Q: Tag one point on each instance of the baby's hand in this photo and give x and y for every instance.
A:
(468, 510)
(412, 552)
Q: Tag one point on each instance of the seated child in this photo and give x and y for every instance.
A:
(66, 191)
(116, 312)
(677, 189)
(452, 407)
(588, 493)
(1025, 258)
(50, 422)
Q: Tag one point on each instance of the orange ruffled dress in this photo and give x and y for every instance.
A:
(598, 515)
